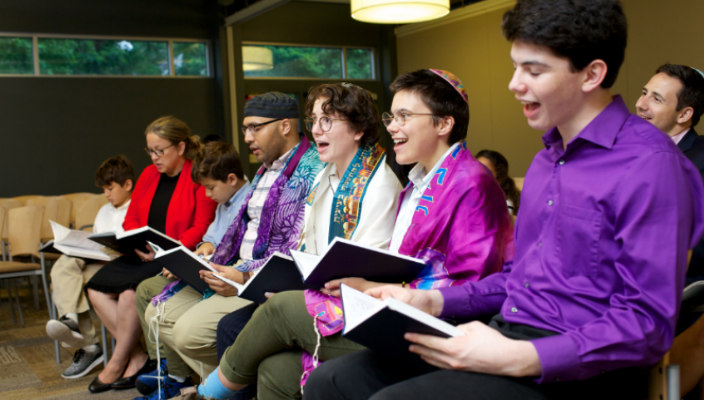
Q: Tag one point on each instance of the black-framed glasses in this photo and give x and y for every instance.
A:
(254, 128)
(400, 118)
(156, 152)
(325, 123)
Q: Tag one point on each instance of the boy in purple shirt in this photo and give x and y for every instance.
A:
(609, 209)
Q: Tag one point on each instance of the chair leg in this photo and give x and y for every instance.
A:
(19, 307)
(6, 285)
(35, 290)
(105, 344)
(672, 372)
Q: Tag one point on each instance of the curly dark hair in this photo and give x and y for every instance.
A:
(350, 101)
(505, 181)
(580, 30)
(439, 96)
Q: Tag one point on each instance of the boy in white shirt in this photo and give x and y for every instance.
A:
(68, 275)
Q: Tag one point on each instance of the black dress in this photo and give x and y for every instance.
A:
(128, 271)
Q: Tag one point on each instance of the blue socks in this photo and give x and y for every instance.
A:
(213, 389)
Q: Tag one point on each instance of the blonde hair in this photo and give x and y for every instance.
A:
(175, 131)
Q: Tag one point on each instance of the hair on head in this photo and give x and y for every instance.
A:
(216, 160)
(692, 92)
(439, 96)
(116, 169)
(580, 30)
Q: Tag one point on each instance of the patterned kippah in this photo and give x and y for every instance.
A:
(272, 105)
(450, 78)
(700, 72)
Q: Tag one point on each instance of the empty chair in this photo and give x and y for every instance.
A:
(24, 224)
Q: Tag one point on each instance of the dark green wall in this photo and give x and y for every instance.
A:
(54, 131)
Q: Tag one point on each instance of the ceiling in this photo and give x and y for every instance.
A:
(230, 7)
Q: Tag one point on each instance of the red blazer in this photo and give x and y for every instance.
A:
(189, 214)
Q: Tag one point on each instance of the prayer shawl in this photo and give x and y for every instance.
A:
(460, 228)
(281, 219)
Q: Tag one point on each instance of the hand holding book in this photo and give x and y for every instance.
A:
(218, 285)
(430, 301)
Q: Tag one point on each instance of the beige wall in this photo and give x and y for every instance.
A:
(469, 43)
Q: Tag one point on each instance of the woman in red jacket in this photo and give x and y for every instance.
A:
(166, 199)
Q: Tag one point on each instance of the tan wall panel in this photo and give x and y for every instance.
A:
(473, 48)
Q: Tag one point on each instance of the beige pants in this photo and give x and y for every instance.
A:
(188, 325)
(68, 277)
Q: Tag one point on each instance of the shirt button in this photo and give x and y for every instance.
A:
(562, 162)
(514, 309)
(550, 202)
(540, 244)
(527, 284)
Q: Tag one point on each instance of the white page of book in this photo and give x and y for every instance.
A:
(423, 317)
(357, 306)
(306, 262)
(71, 237)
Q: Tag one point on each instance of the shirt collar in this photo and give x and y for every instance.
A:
(241, 190)
(601, 130)
(280, 162)
(678, 137)
(418, 176)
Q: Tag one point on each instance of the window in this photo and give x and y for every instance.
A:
(281, 61)
(102, 57)
(16, 55)
(58, 56)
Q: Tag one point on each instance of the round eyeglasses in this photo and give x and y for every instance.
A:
(156, 152)
(400, 118)
(325, 123)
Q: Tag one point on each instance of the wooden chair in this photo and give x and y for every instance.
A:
(7, 204)
(77, 201)
(24, 224)
(56, 208)
(664, 381)
(87, 210)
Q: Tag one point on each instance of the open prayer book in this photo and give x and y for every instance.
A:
(126, 242)
(186, 265)
(76, 243)
(381, 324)
(345, 258)
(342, 259)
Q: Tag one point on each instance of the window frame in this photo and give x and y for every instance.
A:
(169, 41)
(343, 55)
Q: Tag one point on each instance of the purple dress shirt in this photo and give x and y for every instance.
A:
(600, 248)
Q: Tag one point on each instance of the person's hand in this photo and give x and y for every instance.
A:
(218, 285)
(167, 274)
(482, 349)
(205, 249)
(148, 256)
(332, 287)
(430, 301)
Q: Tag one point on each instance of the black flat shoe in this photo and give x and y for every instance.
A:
(129, 381)
(98, 387)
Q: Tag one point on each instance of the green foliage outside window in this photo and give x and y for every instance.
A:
(103, 57)
(16, 55)
(359, 63)
(190, 58)
(316, 62)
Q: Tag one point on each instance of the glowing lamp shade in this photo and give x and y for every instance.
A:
(257, 58)
(398, 11)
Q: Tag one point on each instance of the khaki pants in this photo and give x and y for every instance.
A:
(68, 277)
(188, 325)
(268, 350)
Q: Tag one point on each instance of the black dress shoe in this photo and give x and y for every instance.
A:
(98, 387)
(129, 381)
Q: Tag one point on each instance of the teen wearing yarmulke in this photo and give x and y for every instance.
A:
(452, 215)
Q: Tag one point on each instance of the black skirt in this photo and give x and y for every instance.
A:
(123, 273)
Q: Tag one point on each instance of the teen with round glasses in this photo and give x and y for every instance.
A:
(165, 198)
(452, 215)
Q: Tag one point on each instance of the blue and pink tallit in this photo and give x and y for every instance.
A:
(460, 228)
